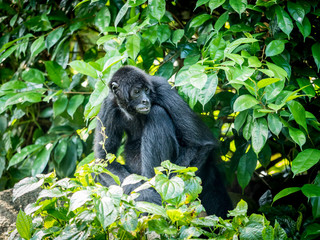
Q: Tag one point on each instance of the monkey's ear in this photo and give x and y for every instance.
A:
(114, 86)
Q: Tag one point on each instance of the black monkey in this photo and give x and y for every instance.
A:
(159, 126)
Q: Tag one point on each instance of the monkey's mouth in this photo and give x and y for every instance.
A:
(143, 110)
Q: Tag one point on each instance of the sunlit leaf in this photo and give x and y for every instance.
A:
(305, 160)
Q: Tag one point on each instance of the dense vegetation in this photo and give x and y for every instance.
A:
(251, 68)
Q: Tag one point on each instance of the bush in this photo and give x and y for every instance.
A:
(79, 208)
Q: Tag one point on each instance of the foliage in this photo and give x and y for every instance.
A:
(79, 208)
(251, 68)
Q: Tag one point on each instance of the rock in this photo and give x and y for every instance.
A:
(9, 210)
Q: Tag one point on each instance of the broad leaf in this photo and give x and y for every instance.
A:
(275, 47)
(239, 5)
(24, 225)
(299, 113)
(54, 37)
(133, 46)
(199, 20)
(84, 68)
(305, 160)
(74, 103)
(60, 105)
(221, 21)
(296, 11)
(311, 190)
(274, 124)
(157, 8)
(57, 74)
(298, 136)
(259, 134)
(244, 102)
(19, 157)
(26, 185)
(102, 19)
(286, 192)
(37, 46)
(246, 167)
(267, 81)
(78, 199)
(213, 4)
(284, 20)
(33, 75)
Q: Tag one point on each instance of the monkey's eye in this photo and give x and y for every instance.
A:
(136, 91)
(147, 90)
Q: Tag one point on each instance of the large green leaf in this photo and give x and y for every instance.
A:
(102, 19)
(213, 4)
(121, 14)
(298, 136)
(169, 188)
(305, 160)
(57, 74)
(259, 134)
(157, 8)
(33, 75)
(286, 192)
(54, 37)
(296, 11)
(246, 167)
(84, 68)
(275, 47)
(151, 208)
(24, 225)
(284, 20)
(299, 113)
(37, 46)
(311, 190)
(41, 160)
(274, 124)
(26, 185)
(239, 5)
(163, 33)
(244, 102)
(19, 157)
(60, 105)
(305, 28)
(199, 20)
(80, 198)
(133, 46)
(74, 103)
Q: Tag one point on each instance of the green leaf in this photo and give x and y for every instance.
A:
(133, 46)
(54, 37)
(197, 76)
(163, 33)
(51, 193)
(235, 57)
(41, 160)
(121, 14)
(240, 119)
(267, 81)
(232, 46)
(26, 185)
(157, 8)
(213, 4)
(275, 47)
(217, 47)
(151, 208)
(254, 62)
(239, 5)
(7, 53)
(285, 192)
(106, 212)
(177, 35)
(199, 20)
(9, 44)
(284, 20)
(259, 134)
(306, 86)
(23, 97)
(33, 75)
(209, 89)
(102, 19)
(13, 85)
(246, 167)
(37, 46)
(19, 157)
(311, 190)
(279, 72)
(57, 74)
(200, 2)
(79, 198)
(169, 188)
(305, 160)
(298, 136)
(272, 91)
(274, 123)
(316, 54)
(296, 11)
(247, 128)
(299, 113)
(60, 150)
(244, 102)
(60, 105)
(305, 28)
(84, 68)
(74, 103)
(221, 21)
(24, 225)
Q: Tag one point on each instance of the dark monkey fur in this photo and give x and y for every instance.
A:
(159, 126)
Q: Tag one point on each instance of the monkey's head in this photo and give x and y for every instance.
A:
(132, 90)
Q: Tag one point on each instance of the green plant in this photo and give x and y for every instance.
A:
(79, 208)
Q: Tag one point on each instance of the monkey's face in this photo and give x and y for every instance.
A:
(140, 99)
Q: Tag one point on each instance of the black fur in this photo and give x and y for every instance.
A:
(170, 131)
